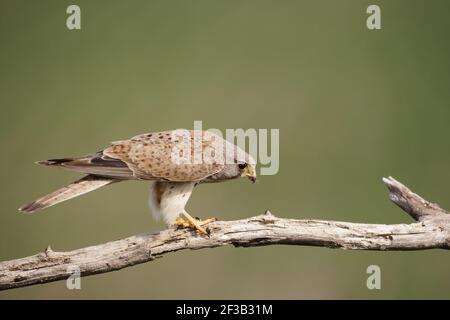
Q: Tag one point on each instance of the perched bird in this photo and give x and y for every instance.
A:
(176, 161)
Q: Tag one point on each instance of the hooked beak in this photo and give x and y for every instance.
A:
(250, 173)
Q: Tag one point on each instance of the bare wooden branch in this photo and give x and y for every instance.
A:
(431, 231)
(419, 208)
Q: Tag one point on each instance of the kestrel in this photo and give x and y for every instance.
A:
(176, 161)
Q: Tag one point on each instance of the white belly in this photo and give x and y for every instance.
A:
(168, 199)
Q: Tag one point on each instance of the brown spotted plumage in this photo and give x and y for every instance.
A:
(149, 156)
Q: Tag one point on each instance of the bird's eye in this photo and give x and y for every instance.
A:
(242, 166)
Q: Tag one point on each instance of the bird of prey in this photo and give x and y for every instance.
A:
(176, 161)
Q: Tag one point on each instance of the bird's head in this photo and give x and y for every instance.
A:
(247, 170)
(246, 165)
(238, 163)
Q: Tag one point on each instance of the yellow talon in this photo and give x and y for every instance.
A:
(206, 221)
(180, 222)
(193, 223)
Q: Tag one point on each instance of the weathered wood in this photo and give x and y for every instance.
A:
(431, 231)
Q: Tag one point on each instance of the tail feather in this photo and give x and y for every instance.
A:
(75, 189)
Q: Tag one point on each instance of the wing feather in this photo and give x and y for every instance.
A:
(150, 156)
(97, 164)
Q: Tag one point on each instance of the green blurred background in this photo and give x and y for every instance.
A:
(352, 106)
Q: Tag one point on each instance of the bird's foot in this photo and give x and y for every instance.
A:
(181, 223)
(194, 223)
(206, 221)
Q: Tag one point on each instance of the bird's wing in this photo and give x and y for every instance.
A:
(95, 164)
(77, 188)
(151, 156)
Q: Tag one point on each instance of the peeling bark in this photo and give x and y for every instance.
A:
(430, 231)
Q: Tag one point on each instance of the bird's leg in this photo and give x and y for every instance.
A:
(190, 222)
(194, 223)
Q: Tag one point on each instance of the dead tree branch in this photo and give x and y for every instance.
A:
(431, 230)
